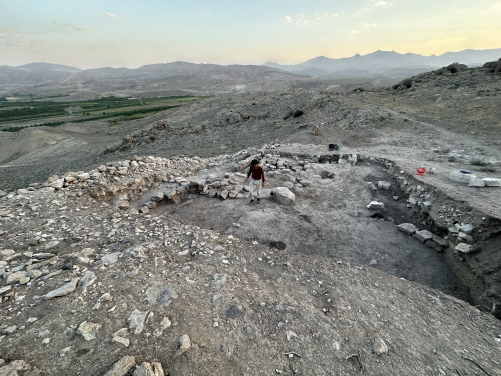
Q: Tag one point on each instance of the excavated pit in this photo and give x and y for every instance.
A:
(329, 218)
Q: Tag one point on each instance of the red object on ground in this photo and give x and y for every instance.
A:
(421, 170)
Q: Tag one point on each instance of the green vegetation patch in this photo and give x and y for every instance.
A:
(47, 113)
(478, 162)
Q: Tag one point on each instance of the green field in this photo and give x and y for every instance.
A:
(15, 116)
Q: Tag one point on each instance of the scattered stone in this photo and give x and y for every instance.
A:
(379, 347)
(64, 351)
(64, 290)
(88, 330)
(138, 251)
(158, 196)
(384, 185)
(83, 176)
(164, 324)
(423, 235)
(235, 311)
(144, 369)
(184, 344)
(408, 228)
(466, 228)
(284, 195)
(375, 205)
(9, 330)
(218, 281)
(122, 367)
(110, 258)
(121, 340)
(15, 277)
(159, 295)
(157, 367)
(464, 248)
(13, 367)
(136, 321)
(440, 241)
(395, 198)
(58, 184)
(87, 280)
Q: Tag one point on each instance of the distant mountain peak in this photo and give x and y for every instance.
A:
(48, 67)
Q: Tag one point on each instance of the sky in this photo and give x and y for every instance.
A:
(123, 33)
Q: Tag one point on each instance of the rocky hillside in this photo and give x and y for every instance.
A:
(91, 286)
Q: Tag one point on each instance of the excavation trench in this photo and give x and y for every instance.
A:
(329, 217)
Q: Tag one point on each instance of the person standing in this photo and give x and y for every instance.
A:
(256, 174)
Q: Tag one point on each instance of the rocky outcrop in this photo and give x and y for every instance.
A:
(493, 66)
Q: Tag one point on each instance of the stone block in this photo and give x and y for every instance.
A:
(423, 235)
(408, 228)
(440, 241)
(464, 248)
(374, 205)
(459, 177)
(478, 183)
(158, 196)
(284, 195)
(489, 182)
(384, 185)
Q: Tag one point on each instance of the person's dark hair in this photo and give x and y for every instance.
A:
(254, 162)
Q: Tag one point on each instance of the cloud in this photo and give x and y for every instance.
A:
(71, 26)
(109, 15)
(380, 3)
(370, 25)
(12, 38)
(335, 15)
(354, 31)
(446, 40)
(360, 12)
(289, 19)
(83, 28)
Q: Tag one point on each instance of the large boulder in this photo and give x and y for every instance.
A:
(459, 177)
(284, 195)
(235, 118)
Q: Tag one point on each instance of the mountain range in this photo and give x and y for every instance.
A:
(385, 62)
(380, 68)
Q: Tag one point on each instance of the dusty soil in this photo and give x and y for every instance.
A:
(247, 308)
(330, 219)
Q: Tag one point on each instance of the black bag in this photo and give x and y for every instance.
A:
(333, 147)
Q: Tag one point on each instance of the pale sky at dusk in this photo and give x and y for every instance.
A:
(123, 33)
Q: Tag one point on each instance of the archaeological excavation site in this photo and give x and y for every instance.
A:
(132, 249)
(349, 264)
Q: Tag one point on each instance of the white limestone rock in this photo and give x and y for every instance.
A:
(489, 182)
(459, 177)
(374, 205)
(284, 195)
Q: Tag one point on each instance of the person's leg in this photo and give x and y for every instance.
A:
(258, 188)
(251, 189)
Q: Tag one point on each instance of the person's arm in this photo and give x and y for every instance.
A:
(264, 178)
